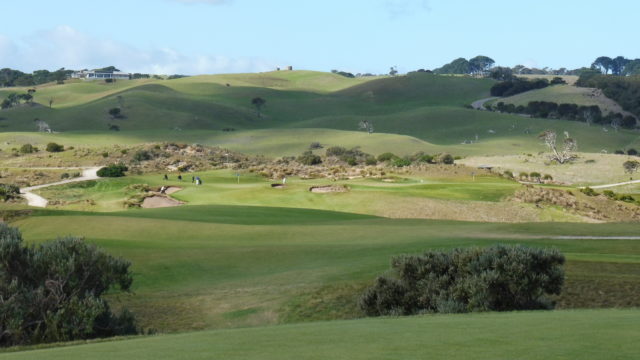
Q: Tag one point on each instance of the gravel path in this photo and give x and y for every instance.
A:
(38, 201)
(479, 104)
(614, 185)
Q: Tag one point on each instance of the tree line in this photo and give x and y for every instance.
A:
(590, 114)
(625, 90)
(11, 77)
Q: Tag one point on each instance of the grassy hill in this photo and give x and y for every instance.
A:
(427, 108)
(600, 334)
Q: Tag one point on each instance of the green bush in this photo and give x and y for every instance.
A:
(52, 291)
(9, 192)
(498, 278)
(65, 176)
(589, 191)
(142, 155)
(508, 174)
(113, 170)
(547, 177)
(386, 156)
(445, 158)
(535, 175)
(53, 147)
(27, 149)
(401, 162)
(309, 158)
(370, 161)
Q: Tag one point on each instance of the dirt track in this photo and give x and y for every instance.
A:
(38, 201)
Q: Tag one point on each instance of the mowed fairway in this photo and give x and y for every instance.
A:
(203, 267)
(584, 334)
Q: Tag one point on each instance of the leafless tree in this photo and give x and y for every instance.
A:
(564, 154)
(366, 125)
(615, 124)
(42, 126)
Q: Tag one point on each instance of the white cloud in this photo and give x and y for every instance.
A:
(64, 46)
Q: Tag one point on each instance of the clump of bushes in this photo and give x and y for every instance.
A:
(309, 158)
(28, 149)
(589, 191)
(52, 292)
(54, 147)
(9, 192)
(353, 156)
(498, 278)
(142, 155)
(113, 170)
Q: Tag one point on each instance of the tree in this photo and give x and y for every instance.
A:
(618, 64)
(53, 291)
(566, 153)
(603, 63)
(50, 102)
(366, 125)
(480, 64)
(113, 170)
(393, 71)
(501, 73)
(498, 278)
(457, 66)
(258, 103)
(631, 166)
(115, 113)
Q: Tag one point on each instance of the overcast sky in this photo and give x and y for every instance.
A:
(214, 36)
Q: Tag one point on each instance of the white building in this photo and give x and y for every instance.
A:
(92, 75)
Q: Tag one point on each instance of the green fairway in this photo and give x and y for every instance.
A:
(201, 267)
(585, 334)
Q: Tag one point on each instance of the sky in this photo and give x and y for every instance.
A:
(221, 36)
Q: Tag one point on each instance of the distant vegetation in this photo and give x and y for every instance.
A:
(624, 90)
(498, 278)
(113, 170)
(53, 291)
(10, 77)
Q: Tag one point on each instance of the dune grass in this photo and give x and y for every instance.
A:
(586, 334)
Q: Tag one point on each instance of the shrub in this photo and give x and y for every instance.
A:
(610, 194)
(336, 151)
(124, 151)
(547, 177)
(426, 159)
(401, 162)
(445, 158)
(309, 158)
(315, 145)
(53, 291)
(619, 152)
(113, 170)
(508, 174)
(53, 147)
(27, 149)
(589, 191)
(386, 156)
(9, 192)
(523, 175)
(64, 176)
(370, 161)
(105, 154)
(142, 155)
(535, 175)
(632, 152)
(498, 278)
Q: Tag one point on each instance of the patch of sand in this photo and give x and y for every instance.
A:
(328, 188)
(172, 189)
(153, 202)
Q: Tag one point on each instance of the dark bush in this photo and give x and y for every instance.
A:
(386, 156)
(370, 161)
(9, 192)
(27, 149)
(589, 191)
(142, 155)
(113, 170)
(335, 151)
(53, 147)
(309, 158)
(401, 162)
(619, 152)
(53, 291)
(498, 278)
(632, 152)
(315, 145)
(445, 159)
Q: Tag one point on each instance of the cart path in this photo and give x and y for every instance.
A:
(38, 201)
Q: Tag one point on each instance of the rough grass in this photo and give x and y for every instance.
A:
(593, 334)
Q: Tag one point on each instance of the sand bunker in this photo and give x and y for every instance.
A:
(153, 202)
(329, 188)
(171, 189)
